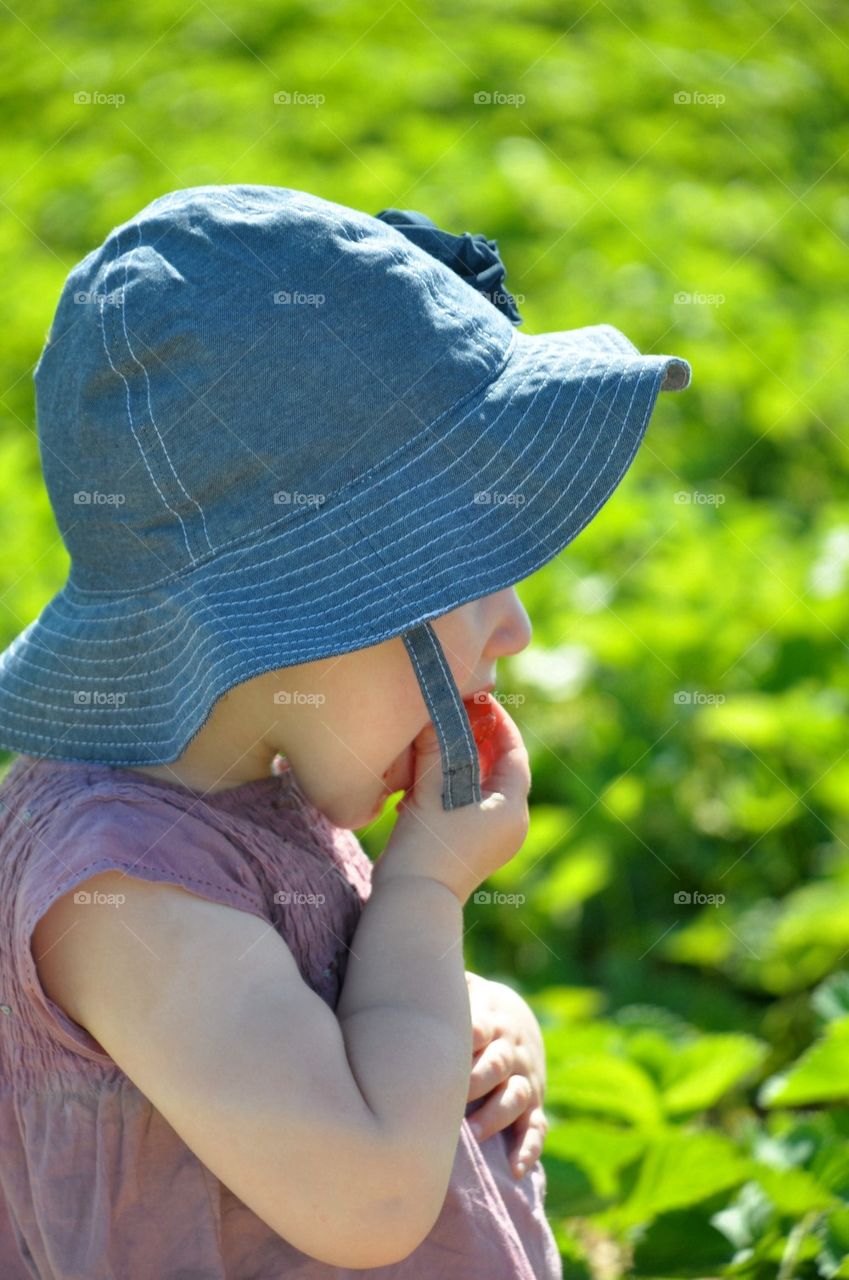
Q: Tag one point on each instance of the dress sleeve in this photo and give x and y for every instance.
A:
(147, 838)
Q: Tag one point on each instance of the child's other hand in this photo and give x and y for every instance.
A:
(508, 1065)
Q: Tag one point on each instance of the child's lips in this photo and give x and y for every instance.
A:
(401, 773)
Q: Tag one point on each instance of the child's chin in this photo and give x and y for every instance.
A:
(369, 816)
(344, 815)
(396, 780)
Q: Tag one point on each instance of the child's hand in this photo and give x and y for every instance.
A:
(461, 847)
(509, 1064)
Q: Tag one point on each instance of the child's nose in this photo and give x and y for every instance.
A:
(514, 631)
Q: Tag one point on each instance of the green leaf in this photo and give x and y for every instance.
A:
(831, 998)
(600, 1148)
(606, 1085)
(653, 1017)
(795, 1191)
(700, 1073)
(680, 1169)
(574, 876)
(821, 1074)
(833, 1258)
(569, 1188)
(814, 1141)
(543, 849)
(703, 941)
(787, 1150)
(747, 1219)
(559, 1004)
(580, 1038)
(652, 1050)
(830, 1167)
(661, 1248)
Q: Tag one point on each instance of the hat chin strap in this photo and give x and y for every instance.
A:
(460, 764)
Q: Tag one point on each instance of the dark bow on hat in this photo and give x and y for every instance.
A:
(474, 258)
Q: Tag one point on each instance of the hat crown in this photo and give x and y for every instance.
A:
(229, 359)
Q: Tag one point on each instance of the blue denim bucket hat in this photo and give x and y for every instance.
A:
(275, 429)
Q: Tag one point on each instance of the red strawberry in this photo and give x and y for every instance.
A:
(483, 722)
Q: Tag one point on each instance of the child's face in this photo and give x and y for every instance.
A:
(348, 725)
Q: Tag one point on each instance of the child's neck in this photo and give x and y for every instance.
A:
(211, 775)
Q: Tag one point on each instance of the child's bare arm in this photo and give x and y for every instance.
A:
(338, 1129)
(339, 1135)
(404, 1013)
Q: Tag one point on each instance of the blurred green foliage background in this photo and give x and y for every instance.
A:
(678, 171)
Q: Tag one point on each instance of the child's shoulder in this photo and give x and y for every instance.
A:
(67, 824)
(82, 860)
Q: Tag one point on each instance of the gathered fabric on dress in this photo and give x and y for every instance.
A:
(94, 1183)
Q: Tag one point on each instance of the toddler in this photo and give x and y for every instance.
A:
(300, 456)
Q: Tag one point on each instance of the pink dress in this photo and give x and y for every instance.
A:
(94, 1182)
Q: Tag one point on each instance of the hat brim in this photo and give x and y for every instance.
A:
(471, 504)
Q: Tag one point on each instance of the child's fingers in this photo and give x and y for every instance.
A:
(497, 1061)
(503, 1105)
(530, 1130)
(482, 1033)
(511, 772)
(483, 1025)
